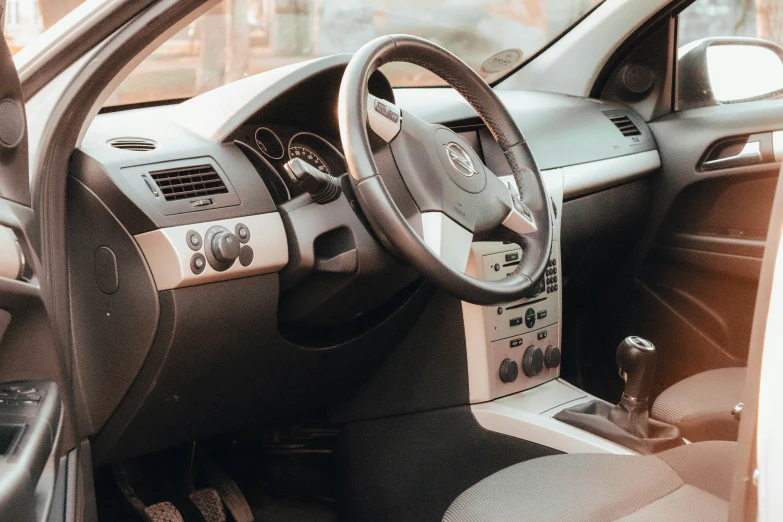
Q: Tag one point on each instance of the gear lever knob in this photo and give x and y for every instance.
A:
(636, 361)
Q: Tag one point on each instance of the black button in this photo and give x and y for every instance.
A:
(500, 310)
(541, 314)
(512, 257)
(530, 318)
(555, 288)
(496, 267)
(542, 335)
(194, 240)
(246, 255)
(515, 342)
(515, 321)
(242, 232)
(198, 263)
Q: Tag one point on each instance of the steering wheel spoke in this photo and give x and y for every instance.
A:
(447, 239)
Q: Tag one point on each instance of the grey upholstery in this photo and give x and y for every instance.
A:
(606, 488)
(701, 405)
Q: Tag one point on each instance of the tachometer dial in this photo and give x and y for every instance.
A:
(307, 154)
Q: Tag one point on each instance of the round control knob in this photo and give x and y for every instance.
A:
(508, 370)
(225, 247)
(552, 356)
(533, 361)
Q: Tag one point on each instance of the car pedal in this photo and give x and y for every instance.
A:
(208, 502)
(162, 512)
(229, 491)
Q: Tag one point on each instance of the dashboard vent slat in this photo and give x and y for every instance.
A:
(188, 182)
(625, 125)
(133, 144)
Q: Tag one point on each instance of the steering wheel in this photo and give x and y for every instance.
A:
(456, 199)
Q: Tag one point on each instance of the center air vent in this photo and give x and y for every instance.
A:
(625, 125)
(134, 144)
(189, 182)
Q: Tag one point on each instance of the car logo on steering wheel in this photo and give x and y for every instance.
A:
(459, 159)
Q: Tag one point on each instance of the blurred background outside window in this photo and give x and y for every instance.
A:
(238, 38)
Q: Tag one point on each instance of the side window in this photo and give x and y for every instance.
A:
(730, 51)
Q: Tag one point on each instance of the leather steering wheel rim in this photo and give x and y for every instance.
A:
(381, 210)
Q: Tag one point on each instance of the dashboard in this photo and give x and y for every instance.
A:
(311, 302)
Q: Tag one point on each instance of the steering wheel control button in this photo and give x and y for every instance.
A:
(242, 232)
(246, 255)
(198, 263)
(530, 318)
(533, 361)
(508, 371)
(552, 357)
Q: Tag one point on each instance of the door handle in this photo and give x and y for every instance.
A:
(749, 155)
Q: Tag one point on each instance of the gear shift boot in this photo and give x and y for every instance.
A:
(627, 423)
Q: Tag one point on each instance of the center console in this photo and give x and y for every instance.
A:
(515, 346)
(514, 350)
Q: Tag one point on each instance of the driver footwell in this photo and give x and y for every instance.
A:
(272, 474)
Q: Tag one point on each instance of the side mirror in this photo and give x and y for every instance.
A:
(713, 71)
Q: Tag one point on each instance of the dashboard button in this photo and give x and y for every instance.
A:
(242, 232)
(198, 263)
(194, 240)
(246, 255)
(515, 321)
(508, 371)
(530, 318)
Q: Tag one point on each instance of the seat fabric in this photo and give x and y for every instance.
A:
(700, 406)
(605, 488)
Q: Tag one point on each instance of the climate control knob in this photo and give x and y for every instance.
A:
(508, 371)
(533, 361)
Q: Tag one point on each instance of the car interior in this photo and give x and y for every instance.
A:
(310, 295)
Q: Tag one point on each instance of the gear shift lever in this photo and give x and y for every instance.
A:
(628, 422)
(636, 361)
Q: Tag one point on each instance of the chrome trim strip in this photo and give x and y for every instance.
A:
(169, 255)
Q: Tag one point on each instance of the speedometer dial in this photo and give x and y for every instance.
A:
(308, 155)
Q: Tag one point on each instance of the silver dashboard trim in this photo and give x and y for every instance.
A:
(589, 177)
(168, 254)
(777, 144)
(450, 242)
(585, 178)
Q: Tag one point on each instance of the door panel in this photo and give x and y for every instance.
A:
(696, 270)
(35, 427)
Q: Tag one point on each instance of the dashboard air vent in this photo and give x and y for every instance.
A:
(134, 144)
(189, 182)
(625, 125)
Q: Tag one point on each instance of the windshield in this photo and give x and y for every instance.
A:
(245, 37)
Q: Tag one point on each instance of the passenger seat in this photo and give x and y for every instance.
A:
(701, 405)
